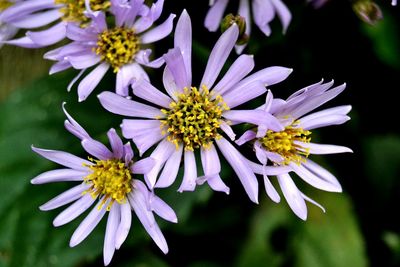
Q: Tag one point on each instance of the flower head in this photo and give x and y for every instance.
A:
(108, 179)
(263, 12)
(194, 118)
(120, 47)
(290, 147)
(51, 14)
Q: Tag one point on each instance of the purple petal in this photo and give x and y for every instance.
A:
(144, 133)
(159, 32)
(63, 158)
(263, 12)
(61, 175)
(246, 137)
(215, 14)
(227, 130)
(65, 198)
(313, 202)
(125, 107)
(84, 60)
(171, 168)
(183, 40)
(293, 196)
(163, 210)
(176, 66)
(143, 166)
(116, 144)
(322, 173)
(219, 55)
(97, 149)
(87, 225)
(49, 36)
(37, 20)
(283, 13)
(127, 75)
(190, 172)
(210, 160)
(146, 91)
(73, 211)
(73, 126)
(322, 149)
(270, 190)
(268, 76)
(241, 94)
(114, 217)
(170, 85)
(241, 168)
(124, 225)
(239, 69)
(87, 85)
(247, 116)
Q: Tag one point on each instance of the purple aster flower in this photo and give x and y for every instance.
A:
(190, 118)
(120, 47)
(51, 14)
(109, 180)
(291, 146)
(263, 12)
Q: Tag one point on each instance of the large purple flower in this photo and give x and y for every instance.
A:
(291, 146)
(191, 118)
(120, 47)
(107, 179)
(52, 14)
(263, 11)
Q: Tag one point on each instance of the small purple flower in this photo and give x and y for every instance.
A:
(291, 146)
(193, 118)
(119, 47)
(263, 12)
(52, 14)
(109, 180)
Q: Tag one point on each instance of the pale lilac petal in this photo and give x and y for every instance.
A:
(124, 225)
(324, 121)
(293, 196)
(76, 33)
(146, 91)
(127, 75)
(241, 168)
(97, 149)
(146, 217)
(128, 153)
(159, 32)
(322, 149)
(25, 42)
(263, 12)
(268, 76)
(125, 107)
(315, 180)
(219, 55)
(270, 190)
(73, 211)
(322, 173)
(144, 133)
(313, 202)
(283, 13)
(143, 58)
(66, 197)
(241, 94)
(162, 209)
(87, 225)
(260, 153)
(49, 36)
(60, 175)
(216, 184)
(162, 152)
(170, 85)
(73, 126)
(177, 68)
(244, 11)
(37, 20)
(26, 7)
(340, 110)
(116, 144)
(238, 70)
(60, 66)
(268, 101)
(190, 172)
(89, 83)
(84, 60)
(183, 40)
(171, 168)
(63, 158)
(268, 170)
(257, 117)
(143, 166)
(114, 218)
(227, 130)
(246, 137)
(215, 14)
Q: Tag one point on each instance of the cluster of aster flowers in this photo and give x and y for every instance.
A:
(185, 123)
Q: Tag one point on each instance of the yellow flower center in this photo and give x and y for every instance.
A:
(111, 179)
(283, 143)
(117, 46)
(194, 119)
(73, 10)
(4, 4)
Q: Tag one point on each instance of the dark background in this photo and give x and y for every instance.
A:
(361, 226)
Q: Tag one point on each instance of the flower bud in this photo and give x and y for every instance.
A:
(367, 11)
(240, 21)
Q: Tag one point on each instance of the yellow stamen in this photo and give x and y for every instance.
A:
(283, 143)
(194, 119)
(4, 4)
(110, 178)
(73, 10)
(117, 46)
